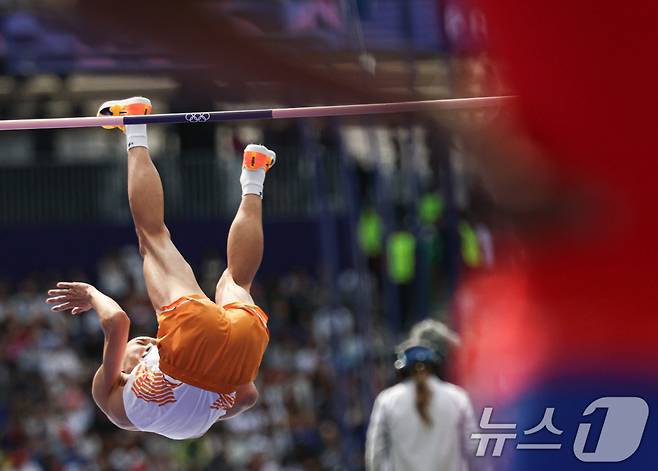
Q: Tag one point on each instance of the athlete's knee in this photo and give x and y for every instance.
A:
(236, 279)
(228, 291)
(224, 280)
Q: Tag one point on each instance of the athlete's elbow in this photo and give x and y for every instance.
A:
(115, 322)
(248, 397)
(251, 399)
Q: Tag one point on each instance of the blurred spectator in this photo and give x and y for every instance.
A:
(315, 17)
(422, 422)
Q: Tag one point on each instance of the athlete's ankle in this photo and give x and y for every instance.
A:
(136, 136)
(252, 181)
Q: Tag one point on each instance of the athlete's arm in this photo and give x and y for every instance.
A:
(81, 297)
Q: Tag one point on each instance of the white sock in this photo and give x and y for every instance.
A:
(252, 181)
(136, 136)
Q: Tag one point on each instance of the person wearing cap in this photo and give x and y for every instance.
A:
(422, 423)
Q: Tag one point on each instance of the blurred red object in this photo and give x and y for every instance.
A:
(585, 302)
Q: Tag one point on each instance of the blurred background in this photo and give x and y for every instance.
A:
(371, 223)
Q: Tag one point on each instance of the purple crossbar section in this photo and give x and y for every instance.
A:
(198, 117)
(282, 113)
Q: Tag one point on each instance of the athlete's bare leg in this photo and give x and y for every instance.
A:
(245, 241)
(168, 276)
(244, 253)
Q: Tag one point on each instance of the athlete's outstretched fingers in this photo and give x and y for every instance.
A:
(74, 296)
(55, 292)
(56, 299)
(64, 297)
(75, 287)
(67, 284)
(62, 307)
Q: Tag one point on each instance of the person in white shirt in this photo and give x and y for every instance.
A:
(422, 423)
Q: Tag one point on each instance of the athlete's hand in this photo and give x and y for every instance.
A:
(75, 296)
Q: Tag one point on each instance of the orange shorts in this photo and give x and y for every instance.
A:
(211, 347)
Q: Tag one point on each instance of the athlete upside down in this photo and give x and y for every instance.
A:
(201, 367)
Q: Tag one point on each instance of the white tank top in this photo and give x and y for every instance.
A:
(158, 403)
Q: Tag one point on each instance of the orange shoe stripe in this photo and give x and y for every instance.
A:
(138, 108)
(256, 160)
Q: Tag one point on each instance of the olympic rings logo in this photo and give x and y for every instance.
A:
(197, 117)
